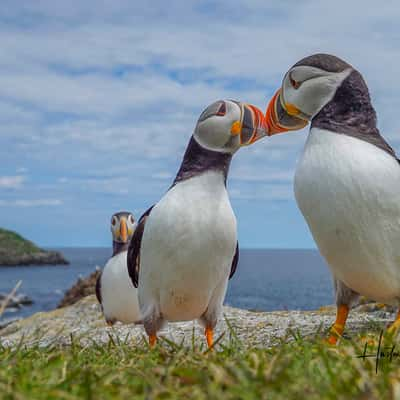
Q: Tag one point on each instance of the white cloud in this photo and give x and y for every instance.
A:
(246, 174)
(162, 175)
(265, 192)
(12, 182)
(31, 203)
(21, 170)
(170, 71)
(100, 98)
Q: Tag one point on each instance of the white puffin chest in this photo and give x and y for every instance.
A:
(349, 193)
(119, 296)
(188, 247)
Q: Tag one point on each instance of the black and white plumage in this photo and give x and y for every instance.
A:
(347, 182)
(114, 289)
(185, 247)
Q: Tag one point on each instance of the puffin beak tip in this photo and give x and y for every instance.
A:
(253, 126)
(282, 117)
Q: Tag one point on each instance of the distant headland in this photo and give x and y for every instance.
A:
(15, 250)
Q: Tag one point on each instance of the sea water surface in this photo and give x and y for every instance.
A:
(265, 280)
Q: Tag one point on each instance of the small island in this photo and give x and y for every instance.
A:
(15, 250)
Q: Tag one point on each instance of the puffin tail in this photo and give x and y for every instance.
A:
(152, 317)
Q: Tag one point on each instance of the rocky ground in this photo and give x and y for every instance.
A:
(83, 323)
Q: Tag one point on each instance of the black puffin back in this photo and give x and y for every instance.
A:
(351, 113)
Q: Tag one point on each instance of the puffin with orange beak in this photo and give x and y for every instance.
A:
(347, 182)
(114, 289)
(185, 247)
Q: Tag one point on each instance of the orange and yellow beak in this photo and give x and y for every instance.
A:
(251, 126)
(282, 117)
(123, 230)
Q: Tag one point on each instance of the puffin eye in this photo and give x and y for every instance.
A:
(131, 220)
(293, 82)
(222, 110)
(217, 108)
(113, 221)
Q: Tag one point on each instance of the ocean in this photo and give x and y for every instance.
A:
(265, 280)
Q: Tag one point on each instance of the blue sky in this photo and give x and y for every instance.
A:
(99, 98)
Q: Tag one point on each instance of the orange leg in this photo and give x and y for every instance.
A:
(152, 340)
(396, 324)
(338, 327)
(209, 336)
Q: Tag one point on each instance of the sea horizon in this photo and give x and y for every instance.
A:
(241, 248)
(266, 279)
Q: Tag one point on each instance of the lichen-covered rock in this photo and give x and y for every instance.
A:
(82, 288)
(83, 323)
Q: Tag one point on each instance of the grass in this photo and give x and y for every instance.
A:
(12, 241)
(301, 369)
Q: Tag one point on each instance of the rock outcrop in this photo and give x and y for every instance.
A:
(15, 250)
(39, 258)
(82, 288)
(14, 301)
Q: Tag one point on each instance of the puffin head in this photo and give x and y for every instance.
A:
(306, 89)
(122, 226)
(227, 125)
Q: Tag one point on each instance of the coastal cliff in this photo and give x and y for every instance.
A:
(15, 250)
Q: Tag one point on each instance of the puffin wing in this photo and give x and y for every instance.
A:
(133, 257)
(98, 288)
(235, 261)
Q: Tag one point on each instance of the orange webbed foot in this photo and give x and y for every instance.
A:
(210, 337)
(152, 340)
(337, 329)
(395, 325)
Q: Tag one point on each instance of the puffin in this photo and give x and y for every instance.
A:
(114, 290)
(185, 248)
(347, 180)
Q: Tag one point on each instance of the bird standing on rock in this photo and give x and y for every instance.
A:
(185, 247)
(347, 182)
(114, 289)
